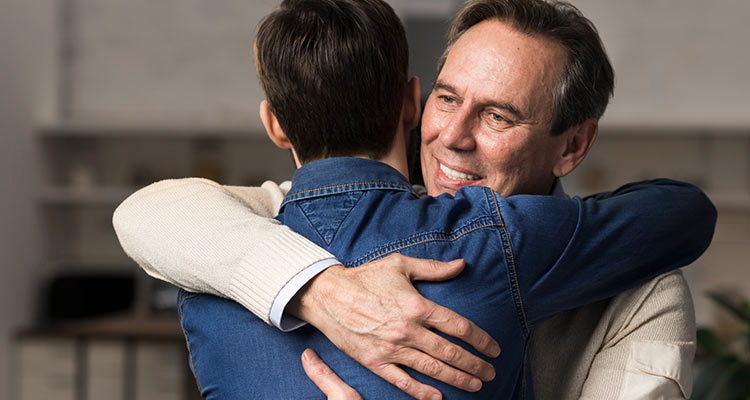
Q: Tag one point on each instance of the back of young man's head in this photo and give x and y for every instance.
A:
(334, 74)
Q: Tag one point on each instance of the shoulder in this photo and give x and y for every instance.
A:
(659, 310)
(667, 290)
(403, 222)
(444, 210)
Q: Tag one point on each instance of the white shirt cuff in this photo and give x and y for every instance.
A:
(286, 322)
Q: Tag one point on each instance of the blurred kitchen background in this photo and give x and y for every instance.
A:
(101, 97)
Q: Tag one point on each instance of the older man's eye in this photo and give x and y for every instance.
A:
(495, 117)
(496, 120)
(447, 99)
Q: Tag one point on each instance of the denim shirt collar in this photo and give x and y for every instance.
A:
(344, 174)
(337, 175)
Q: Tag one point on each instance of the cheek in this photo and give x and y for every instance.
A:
(430, 127)
(430, 133)
(497, 151)
(426, 161)
(546, 154)
(507, 157)
(423, 155)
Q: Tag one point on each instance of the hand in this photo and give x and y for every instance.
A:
(374, 314)
(325, 379)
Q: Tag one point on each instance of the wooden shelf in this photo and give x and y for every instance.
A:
(153, 130)
(731, 201)
(102, 196)
(202, 130)
(165, 327)
(671, 131)
(119, 265)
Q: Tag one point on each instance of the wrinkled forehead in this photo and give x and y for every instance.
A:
(494, 62)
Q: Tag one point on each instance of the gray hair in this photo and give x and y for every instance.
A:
(587, 82)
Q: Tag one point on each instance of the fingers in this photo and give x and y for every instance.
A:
(325, 379)
(374, 314)
(468, 367)
(430, 366)
(451, 323)
(441, 318)
(336, 389)
(407, 384)
(421, 269)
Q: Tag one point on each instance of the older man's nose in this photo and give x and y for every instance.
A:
(457, 134)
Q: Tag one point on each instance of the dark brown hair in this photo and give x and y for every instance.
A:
(587, 82)
(334, 74)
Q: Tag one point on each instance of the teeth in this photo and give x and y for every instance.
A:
(456, 175)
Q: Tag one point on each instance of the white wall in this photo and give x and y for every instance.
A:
(185, 61)
(677, 62)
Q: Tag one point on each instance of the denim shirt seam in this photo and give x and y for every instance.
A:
(425, 237)
(510, 261)
(345, 217)
(346, 187)
(307, 218)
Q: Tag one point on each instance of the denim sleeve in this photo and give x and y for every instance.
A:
(568, 253)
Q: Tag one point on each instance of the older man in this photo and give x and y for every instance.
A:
(515, 107)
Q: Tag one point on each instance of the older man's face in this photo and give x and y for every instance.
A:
(488, 118)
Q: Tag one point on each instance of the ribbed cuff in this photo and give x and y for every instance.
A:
(273, 262)
(288, 322)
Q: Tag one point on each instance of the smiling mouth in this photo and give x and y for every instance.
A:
(457, 175)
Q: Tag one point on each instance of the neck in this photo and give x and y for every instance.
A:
(396, 156)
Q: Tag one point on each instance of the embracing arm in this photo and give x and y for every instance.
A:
(204, 237)
(602, 245)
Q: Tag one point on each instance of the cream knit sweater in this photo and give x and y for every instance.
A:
(208, 238)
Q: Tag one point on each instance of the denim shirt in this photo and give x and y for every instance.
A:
(527, 259)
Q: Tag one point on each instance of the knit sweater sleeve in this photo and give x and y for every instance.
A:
(209, 238)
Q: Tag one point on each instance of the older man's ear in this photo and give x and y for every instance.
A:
(578, 141)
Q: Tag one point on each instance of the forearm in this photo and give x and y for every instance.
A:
(661, 223)
(208, 238)
(616, 241)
